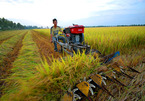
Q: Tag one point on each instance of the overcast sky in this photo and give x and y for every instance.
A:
(84, 12)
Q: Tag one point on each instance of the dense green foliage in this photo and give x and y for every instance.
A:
(9, 25)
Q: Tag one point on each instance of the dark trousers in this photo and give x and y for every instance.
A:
(55, 43)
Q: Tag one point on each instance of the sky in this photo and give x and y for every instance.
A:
(68, 12)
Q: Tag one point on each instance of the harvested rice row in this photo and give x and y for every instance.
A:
(6, 34)
(7, 63)
(23, 69)
(46, 48)
(8, 45)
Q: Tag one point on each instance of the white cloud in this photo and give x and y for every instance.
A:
(43, 11)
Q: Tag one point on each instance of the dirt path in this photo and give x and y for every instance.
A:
(46, 48)
(8, 60)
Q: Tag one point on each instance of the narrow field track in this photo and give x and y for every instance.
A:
(46, 48)
(23, 65)
(9, 59)
(12, 55)
(28, 56)
(8, 45)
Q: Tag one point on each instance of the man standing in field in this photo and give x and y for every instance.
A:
(54, 31)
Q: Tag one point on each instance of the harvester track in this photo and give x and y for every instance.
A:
(119, 92)
(8, 61)
(46, 48)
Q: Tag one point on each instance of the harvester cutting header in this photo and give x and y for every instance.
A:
(74, 42)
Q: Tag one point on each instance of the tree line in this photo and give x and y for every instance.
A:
(10, 25)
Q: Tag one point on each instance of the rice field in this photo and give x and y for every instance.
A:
(113, 39)
(31, 71)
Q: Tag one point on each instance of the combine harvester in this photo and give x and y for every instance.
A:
(114, 66)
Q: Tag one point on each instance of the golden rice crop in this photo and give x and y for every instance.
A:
(111, 39)
(48, 81)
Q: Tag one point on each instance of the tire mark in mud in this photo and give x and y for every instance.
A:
(8, 60)
(46, 48)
